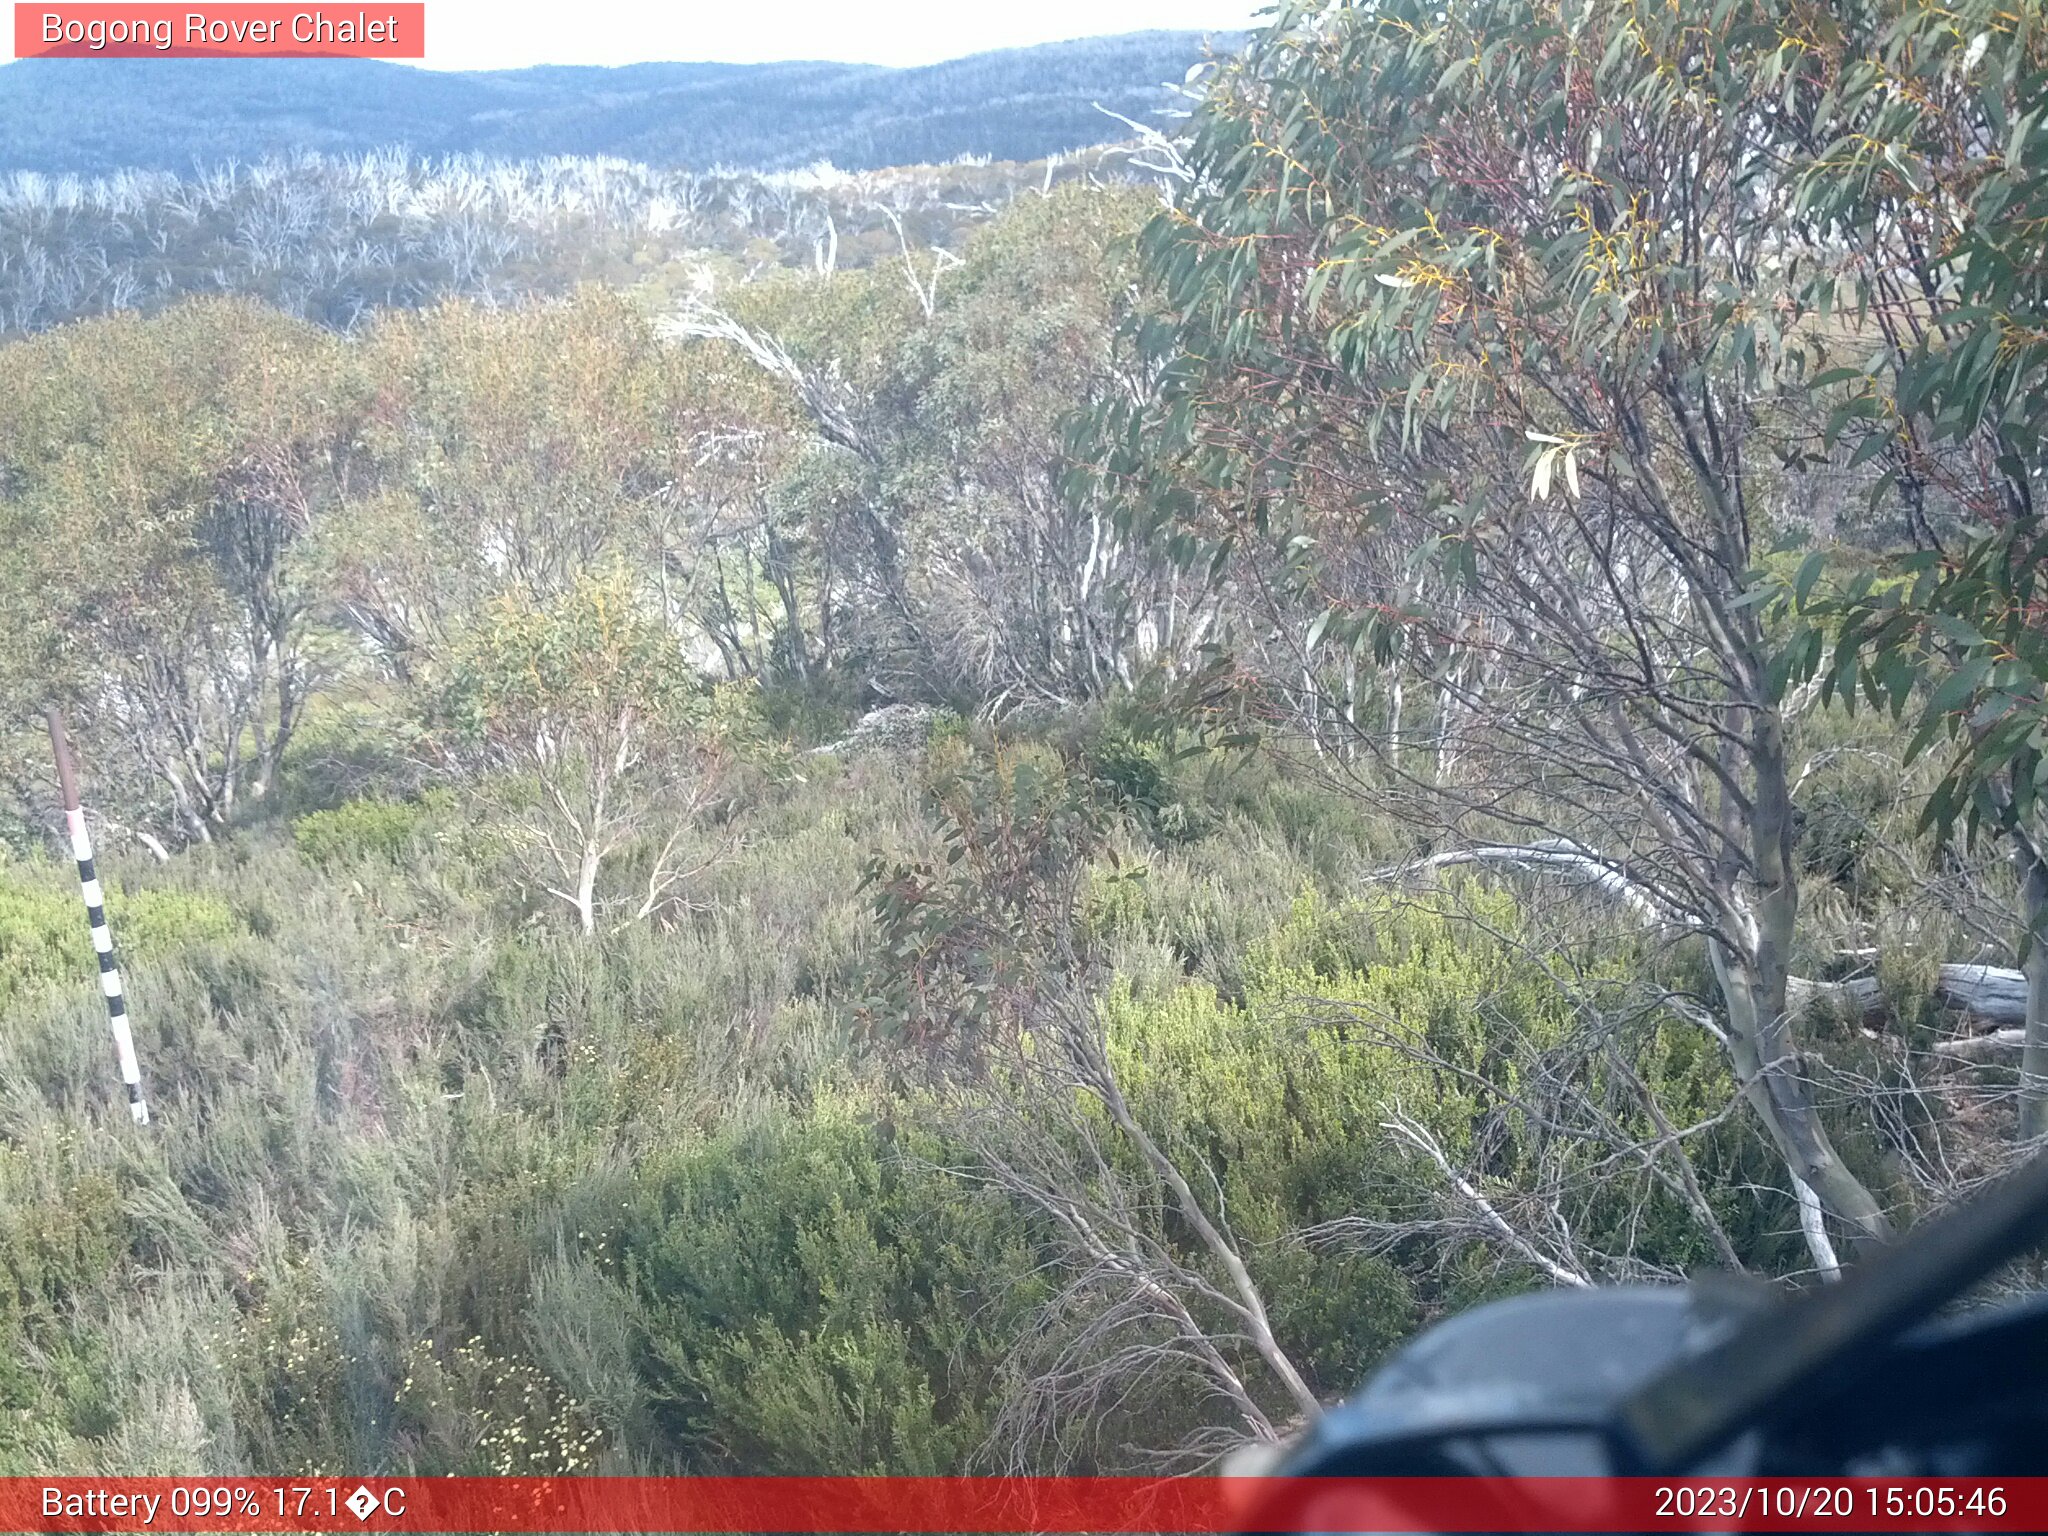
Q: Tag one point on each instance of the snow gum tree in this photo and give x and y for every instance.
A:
(585, 705)
(1496, 330)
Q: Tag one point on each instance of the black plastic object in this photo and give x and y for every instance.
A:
(1821, 1342)
(1525, 1386)
(1721, 1377)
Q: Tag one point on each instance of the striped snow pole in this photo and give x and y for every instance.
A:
(96, 915)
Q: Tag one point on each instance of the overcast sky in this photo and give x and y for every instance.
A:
(508, 34)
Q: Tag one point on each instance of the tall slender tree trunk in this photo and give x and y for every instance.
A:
(2034, 1049)
(1773, 1080)
(1755, 988)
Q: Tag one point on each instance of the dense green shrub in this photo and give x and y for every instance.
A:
(59, 1240)
(43, 934)
(364, 745)
(1138, 778)
(1437, 1009)
(358, 830)
(822, 1297)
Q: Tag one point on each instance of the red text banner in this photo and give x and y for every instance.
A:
(225, 31)
(955, 1505)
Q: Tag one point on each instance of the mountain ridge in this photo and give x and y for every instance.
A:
(75, 116)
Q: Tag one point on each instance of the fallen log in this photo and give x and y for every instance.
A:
(2000, 1042)
(1991, 995)
(1568, 862)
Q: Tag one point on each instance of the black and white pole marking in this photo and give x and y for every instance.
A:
(96, 915)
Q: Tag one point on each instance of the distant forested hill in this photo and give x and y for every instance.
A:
(93, 116)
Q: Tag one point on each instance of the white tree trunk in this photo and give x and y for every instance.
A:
(586, 889)
(1773, 1080)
